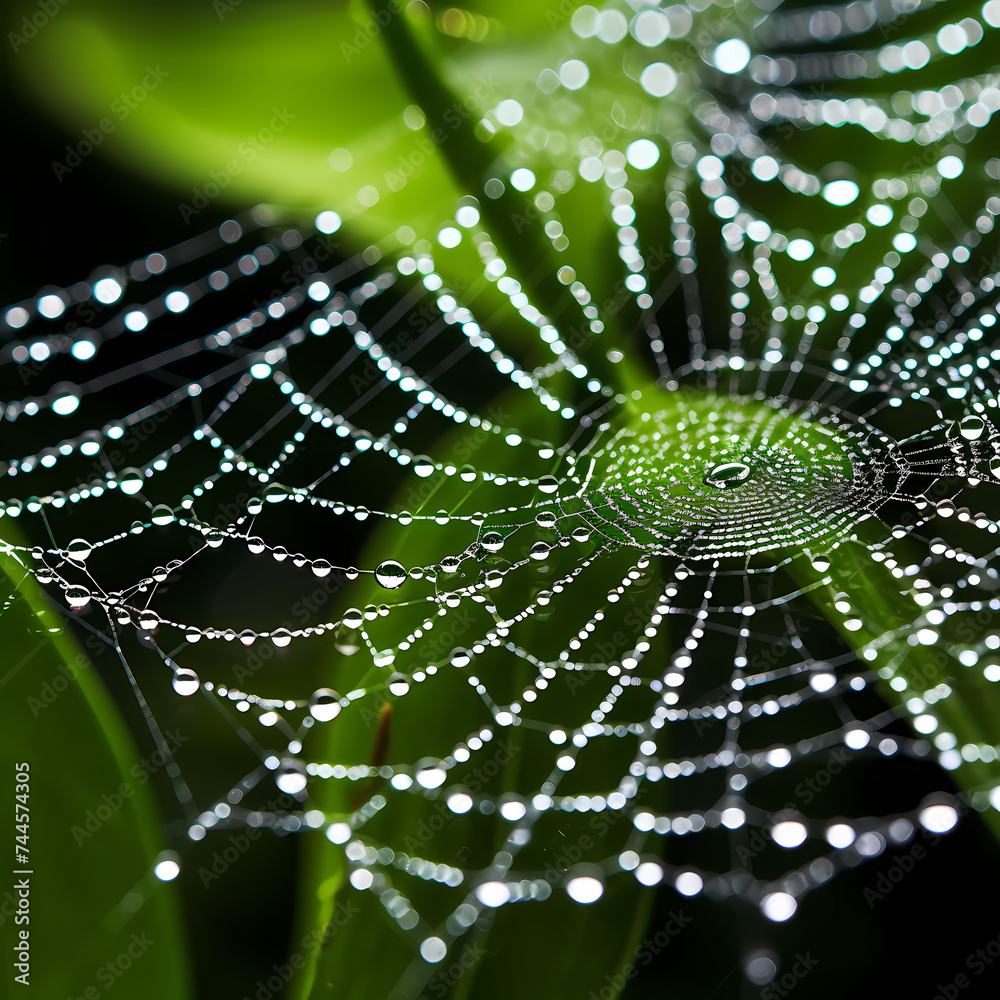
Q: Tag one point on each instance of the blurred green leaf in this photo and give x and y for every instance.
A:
(94, 834)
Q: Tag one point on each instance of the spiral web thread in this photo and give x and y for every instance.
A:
(710, 510)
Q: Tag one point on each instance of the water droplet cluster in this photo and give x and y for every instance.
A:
(603, 570)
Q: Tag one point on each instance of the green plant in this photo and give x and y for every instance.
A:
(611, 503)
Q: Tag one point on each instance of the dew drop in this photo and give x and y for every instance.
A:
(324, 704)
(468, 474)
(185, 682)
(161, 515)
(539, 550)
(725, 475)
(256, 545)
(460, 657)
(77, 596)
(971, 427)
(281, 637)
(291, 777)
(276, 492)
(492, 541)
(422, 466)
(130, 481)
(545, 519)
(399, 684)
(353, 618)
(321, 568)
(390, 574)
(79, 549)
(254, 506)
(148, 619)
(548, 484)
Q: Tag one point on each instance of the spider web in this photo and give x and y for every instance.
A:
(431, 555)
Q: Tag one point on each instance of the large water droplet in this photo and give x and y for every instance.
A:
(77, 596)
(161, 515)
(548, 484)
(256, 545)
(215, 538)
(321, 568)
(353, 618)
(423, 466)
(539, 550)
(79, 549)
(492, 541)
(725, 475)
(460, 657)
(186, 682)
(291, 777)
(545, 519)
(399, 684)
(324, 704)
(275, 493)
(254, 506)
(130, 481)
(972, 427)
(390, 574)
(281, 637)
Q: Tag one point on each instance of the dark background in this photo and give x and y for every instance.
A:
(905, 945)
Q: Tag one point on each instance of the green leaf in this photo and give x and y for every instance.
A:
(366, 954)
(99, 919)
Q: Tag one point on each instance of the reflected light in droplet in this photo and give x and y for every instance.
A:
(167, 870)
(778, 906)
(731, 56)
(841, 192)
(585, 889)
